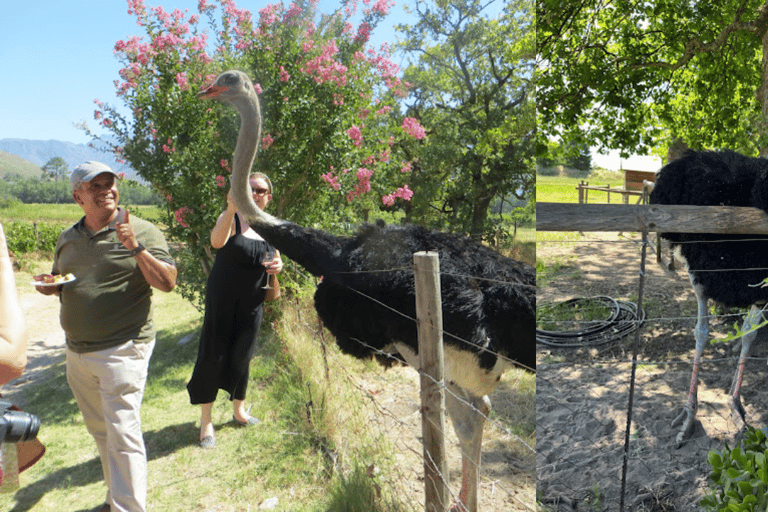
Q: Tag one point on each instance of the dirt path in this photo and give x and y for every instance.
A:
(583, 394)
(46, 339)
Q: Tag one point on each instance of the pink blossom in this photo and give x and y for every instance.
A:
(284, 76)
(356, 135)
(406, 167)
(267, 141)
(181, 215)
(325, 68)
(382, 6)
(121, 175)
(363, 33)
(257, 88)
(181, 79)
(224, 163)
(404, 193)
(332, 180)
(220, 181)
(268, 15)
(292, 14)
(412, 127)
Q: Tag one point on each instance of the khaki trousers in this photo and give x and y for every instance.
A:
(109, 386)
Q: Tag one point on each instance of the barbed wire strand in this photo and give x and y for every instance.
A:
(486, 418)
(568, 367)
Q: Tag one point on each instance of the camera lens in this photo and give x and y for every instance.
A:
(19, 426)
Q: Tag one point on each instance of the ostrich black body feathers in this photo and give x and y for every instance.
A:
(721, 263)
(367, 298)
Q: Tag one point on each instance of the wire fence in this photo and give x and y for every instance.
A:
(583, 392)
(507, 472)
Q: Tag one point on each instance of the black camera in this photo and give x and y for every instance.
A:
(17, 426)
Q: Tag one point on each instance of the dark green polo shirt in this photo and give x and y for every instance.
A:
(109, 303)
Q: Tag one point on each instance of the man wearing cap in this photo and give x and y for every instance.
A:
(106, 315)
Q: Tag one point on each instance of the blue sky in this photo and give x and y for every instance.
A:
(56, 57)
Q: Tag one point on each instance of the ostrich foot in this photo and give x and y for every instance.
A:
(738, 413)
(686, 419)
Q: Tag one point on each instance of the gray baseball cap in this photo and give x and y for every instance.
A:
(85, 172)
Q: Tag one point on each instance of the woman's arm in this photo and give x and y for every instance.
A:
(13, 330)
(224, 225)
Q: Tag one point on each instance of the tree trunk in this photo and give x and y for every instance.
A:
(762, 91)
(480, 213)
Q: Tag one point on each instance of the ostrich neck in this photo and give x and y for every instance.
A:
(315, 250)
(245, 153)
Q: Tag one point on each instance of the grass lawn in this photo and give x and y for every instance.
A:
(281, 458)
(66, 213)
(561, 189)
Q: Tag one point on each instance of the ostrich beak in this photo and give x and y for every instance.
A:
(211, 92)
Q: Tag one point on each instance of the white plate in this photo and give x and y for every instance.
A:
(40, 283)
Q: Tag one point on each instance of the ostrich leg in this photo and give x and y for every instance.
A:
(468, 413)
(701, 334)
(734, 395)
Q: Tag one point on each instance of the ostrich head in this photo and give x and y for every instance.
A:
(234, 88)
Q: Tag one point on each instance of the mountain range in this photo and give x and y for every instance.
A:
(39, 152)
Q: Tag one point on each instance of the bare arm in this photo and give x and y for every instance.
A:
(224, 225)
(158, 273)
(13, 329)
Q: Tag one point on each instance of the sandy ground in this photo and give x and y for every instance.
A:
(583, 394)
(507, 481)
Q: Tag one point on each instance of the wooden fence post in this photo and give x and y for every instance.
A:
(430, 330)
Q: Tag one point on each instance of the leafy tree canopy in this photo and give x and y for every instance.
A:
(55, 169)
(633, 76)
(471, 73)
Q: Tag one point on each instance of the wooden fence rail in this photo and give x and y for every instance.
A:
(659, 218)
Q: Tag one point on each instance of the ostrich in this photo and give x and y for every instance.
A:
(488, 300)
(729, 179)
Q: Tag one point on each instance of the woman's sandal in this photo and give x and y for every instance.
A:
(250, 422)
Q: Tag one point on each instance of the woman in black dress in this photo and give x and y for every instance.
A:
(233, 311)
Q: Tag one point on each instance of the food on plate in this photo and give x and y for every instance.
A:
(53, 279)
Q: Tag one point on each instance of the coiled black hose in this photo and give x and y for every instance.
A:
(622, 321)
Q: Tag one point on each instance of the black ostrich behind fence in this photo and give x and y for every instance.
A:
(722, 267)
(366, 298)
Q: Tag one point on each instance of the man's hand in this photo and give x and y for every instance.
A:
(125, 234)
(46, 290)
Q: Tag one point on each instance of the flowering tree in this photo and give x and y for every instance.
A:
(332, 133)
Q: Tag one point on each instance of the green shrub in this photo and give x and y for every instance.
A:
(739, 476)
(23, 237)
